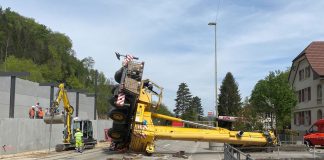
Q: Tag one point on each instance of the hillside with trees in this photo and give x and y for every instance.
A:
(26, 45)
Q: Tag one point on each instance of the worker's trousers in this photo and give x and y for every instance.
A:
(78, 145)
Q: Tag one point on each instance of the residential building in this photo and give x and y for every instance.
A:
(307, 78)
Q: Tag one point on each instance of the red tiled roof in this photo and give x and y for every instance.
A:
(315, 56)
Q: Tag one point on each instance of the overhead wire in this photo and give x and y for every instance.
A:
(217, 11)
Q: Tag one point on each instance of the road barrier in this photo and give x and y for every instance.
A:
(231, 153)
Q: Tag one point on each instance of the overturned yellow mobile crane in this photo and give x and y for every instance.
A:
(133, 115)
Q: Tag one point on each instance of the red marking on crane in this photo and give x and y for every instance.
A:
(120, 99)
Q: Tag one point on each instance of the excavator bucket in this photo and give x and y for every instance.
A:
(56, 119)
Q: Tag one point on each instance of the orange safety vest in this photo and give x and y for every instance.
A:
(31, 113)
(40, 114)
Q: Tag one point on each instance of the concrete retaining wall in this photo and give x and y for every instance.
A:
(72, 99)
(4, 97)
(84, 109)
(20, 135)
(29, 93)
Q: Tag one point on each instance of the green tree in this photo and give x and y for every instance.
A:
(183, 99)
(273, 94)
(104, 88)
(249, 119)
(23, 65)
(195, 110)
(163, 109)
(229, 99)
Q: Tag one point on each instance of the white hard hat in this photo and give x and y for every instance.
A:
(33, 106)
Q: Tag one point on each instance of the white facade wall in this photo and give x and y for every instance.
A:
(308, 105)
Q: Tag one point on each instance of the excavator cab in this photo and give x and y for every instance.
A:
(85, 127)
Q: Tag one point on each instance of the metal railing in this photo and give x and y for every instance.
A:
(231, 153)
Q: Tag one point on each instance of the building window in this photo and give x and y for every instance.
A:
(299, 96)
(307, 72)
(302, 118)
(301, 75)
(309, 93)
(296, 118)
(319, 114)
(304, 95)
(319, 94)
(308, 117)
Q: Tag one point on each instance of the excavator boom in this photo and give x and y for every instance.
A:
(55, 117)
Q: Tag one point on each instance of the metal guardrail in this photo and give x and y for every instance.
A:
(231, 153)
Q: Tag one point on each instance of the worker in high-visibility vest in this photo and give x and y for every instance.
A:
(32, 112)
(78, 140)
(40, 113)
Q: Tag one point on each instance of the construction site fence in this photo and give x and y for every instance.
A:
(290, 139)
(232, 153)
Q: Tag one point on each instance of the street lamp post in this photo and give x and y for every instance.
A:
(216, 107)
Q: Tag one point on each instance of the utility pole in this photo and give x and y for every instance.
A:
(216, 107)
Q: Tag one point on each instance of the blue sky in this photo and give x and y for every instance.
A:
(173, 38)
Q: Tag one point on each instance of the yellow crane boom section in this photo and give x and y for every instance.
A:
(144, 132)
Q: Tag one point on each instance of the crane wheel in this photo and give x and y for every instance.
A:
(118, 75)
(116, 135)
(118, 115)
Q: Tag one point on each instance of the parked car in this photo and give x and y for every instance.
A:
(315, 134)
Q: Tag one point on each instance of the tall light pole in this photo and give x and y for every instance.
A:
(216, 107)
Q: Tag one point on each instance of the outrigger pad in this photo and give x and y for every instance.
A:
(57, 119)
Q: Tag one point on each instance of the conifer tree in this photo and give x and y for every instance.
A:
(229, 99)
(197, 108)
(183, 99)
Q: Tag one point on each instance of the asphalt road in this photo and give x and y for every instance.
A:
(165, 149)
